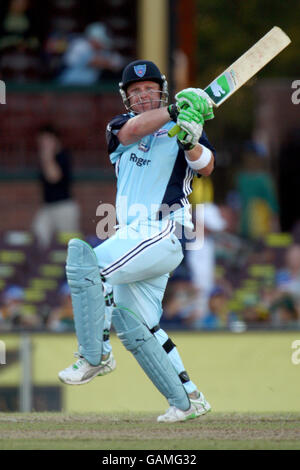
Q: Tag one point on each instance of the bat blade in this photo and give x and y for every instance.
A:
(244, 68)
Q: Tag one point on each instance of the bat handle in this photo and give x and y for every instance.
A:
(175, 129)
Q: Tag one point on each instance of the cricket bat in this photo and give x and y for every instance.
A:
(244, 68)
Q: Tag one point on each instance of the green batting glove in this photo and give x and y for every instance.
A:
(191, 125)
(197, 99)
(189, 115)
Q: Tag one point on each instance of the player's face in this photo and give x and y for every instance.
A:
(144, 96)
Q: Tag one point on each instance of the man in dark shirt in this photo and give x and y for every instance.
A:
(59, 212)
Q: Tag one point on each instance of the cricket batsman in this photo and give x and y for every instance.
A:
(154, 172)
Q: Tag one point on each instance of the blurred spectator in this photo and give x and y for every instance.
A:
(202, 261)
(218, 314)
(59, 212)
(90, 58)
(288, 278)
(267, 295)
(285, 308)
(254, 310)
(18, 28)
(285, 312)
(180, 299)
(12, 311)
(19, 41)
(231, 218)
(258, 198)
(203, 191)
(61, 319)
(55, 47)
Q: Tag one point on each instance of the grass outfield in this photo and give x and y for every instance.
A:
(249, 379)
(136, 431)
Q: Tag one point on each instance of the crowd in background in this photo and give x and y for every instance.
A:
(233, 285)
(239, 272)
(59, 43)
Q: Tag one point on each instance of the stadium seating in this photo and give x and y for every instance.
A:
(41, 274)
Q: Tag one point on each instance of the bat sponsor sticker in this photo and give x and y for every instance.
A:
(223, 86)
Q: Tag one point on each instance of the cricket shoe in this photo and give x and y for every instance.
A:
(83, 372)
(199, 407)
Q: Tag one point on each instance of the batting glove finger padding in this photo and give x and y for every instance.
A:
(186, 141)
(197, 99)
(191, 124)
(191, 128)
(186, 138)
(190, 115)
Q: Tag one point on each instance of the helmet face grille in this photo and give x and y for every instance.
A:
(140, 71)
(157, 99)
(163, 99)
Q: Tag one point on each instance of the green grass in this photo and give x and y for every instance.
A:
(135, 431)
(249, 379)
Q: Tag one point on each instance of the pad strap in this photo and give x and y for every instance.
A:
(155, 329)
(184, 377)
(151, 356)
(168, 345)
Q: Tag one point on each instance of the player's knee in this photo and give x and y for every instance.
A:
(81, 266)
(131, 331)
(80, 253)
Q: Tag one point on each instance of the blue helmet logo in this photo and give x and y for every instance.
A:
(140, 70)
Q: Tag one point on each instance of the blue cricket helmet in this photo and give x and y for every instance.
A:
(141, 71)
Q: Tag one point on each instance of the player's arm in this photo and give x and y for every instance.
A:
(150, 121)
(143, 124)
(200, 156)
